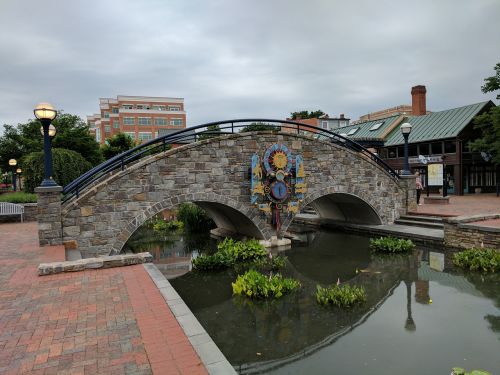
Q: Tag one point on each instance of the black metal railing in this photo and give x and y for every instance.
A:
(200, 132)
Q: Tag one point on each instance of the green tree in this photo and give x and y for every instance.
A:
(72, 134)
(306, 114)
(68, 165)
(211, 132)
(117, 144)
(195, 219)
(488, 123)
(259, 126)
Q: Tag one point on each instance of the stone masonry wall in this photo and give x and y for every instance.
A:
(49, 215)
(216, 170)
(464, 232)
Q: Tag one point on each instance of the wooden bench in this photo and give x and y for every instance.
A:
(11, 209)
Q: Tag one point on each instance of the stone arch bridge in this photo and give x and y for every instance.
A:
(344, 184)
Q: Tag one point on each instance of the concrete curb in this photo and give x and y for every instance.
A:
(209, 353)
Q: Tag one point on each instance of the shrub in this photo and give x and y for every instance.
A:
(340, 295)
(391, 245)
(195, 219)
(253, 284)
(267, 264)
(18, 197)
(67, 166)
(477, 259)
(168, 226)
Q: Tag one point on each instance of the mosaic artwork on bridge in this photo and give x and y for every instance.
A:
(278, 182)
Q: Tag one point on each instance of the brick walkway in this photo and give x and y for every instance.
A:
(465, 205)
(111, 321)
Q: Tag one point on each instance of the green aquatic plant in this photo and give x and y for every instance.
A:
(254, 284)
(340, 295)
(461, 371)
(478, 259)
(230, 253)
(391, 245)
(168, 226)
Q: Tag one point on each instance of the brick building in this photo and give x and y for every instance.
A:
(324, 122)
(142, 117)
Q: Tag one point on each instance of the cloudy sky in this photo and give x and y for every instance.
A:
(245, 58)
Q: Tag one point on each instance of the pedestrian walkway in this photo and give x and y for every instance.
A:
(465, 205)
(112, 321)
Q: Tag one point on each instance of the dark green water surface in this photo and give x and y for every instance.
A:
(422, 316)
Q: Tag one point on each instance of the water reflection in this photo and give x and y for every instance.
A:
(294, 335)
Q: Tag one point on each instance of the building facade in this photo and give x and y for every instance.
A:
(141, 117)
(324, 122)
(436, 138)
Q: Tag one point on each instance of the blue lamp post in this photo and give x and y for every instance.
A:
(45, 112)
(406, 130)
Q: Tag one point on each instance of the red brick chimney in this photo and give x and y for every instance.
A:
(418, 100)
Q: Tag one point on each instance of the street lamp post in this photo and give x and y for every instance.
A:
(13, 163)
(45, 112)
(19, 171)
(406, 130)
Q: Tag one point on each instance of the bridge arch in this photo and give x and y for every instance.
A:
(343, 184)
(225, 212)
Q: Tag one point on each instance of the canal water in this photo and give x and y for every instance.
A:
(421, 316)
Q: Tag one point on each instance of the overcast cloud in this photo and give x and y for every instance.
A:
(236, 58)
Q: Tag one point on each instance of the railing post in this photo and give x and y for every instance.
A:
(298, 129)
(164, 144)
(122, 164)
(232, 128)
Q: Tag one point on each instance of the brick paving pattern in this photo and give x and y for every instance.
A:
(111, 321)
(465, 205)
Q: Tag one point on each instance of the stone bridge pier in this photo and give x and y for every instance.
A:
(342, 185)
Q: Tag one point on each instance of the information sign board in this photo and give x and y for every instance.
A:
(435, 174)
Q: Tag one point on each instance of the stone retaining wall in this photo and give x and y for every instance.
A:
(30, 214)
(462, 232)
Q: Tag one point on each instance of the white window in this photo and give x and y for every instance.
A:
(116, 124)
(176, 121)
(160, 121)
(352, 131)
(127, 106)
(131, 134)
(324, 124)
(145, 136)
(128, 121)
(159, 108)
(98, 134)
(107, 129)
(343, 123)
(174, 108)
(106, 114)
(144, 121)
(376, 126)
(114, 110)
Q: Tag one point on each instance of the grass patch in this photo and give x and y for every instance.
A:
(340, 295)
(18, 197)
(391, 245)
(478, 259)
(254, 284)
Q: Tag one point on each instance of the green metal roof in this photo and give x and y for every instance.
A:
(437, 125)
(364, 128)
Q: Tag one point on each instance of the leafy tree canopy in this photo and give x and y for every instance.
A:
(67, 166)
(492, 83)
(212, 131)
(488, 124)
(117, 144)
(306, 114)
(72, 134)
(258, 126)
